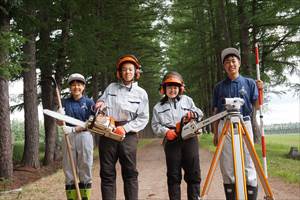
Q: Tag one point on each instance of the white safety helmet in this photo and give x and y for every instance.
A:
(76, 77)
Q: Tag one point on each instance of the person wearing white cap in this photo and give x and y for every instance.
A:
(80, 107)
(235, 85)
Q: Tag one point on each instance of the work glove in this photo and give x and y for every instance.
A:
(120, 130)
(171, 135)
(61, 111)
(178, 127)
(189, 116)
(69, 129)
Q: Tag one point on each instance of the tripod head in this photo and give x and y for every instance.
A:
(233, 104)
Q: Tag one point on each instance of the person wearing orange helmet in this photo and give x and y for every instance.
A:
(128, 104)
(174, 110)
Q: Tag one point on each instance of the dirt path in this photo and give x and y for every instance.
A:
(152, 181)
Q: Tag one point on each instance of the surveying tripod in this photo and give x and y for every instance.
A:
(234, 125)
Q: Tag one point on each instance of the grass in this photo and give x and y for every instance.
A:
(144, 142)
(278, 146)
(19, 148)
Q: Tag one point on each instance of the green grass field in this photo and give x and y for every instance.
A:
(278, 146)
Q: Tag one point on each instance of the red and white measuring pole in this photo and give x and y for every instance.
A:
(260, 101)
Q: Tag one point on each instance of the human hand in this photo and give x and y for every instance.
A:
(120, 130)
(260, 84)
(171, 135)
(69, 129)
(61, 111)
(189, 116)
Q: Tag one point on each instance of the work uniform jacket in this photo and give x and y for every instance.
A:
(165, 116)
(128, 105)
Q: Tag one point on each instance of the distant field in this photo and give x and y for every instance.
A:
(278, 146)
(285, 140)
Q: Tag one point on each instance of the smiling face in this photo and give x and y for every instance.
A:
(172, 91)
(232, 65)
(127, 73)
(76, 88)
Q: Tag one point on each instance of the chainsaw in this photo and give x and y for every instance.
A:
(99, 124)
(192, 128)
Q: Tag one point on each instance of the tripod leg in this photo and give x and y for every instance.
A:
(262, 177)
(238, 158)
(215, 160)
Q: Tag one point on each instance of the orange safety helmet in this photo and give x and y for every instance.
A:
(131, 59)
(172, 78)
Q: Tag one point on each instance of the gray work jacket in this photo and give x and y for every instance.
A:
(127, 104)
(167, 115)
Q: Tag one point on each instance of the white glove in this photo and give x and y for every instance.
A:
(69, 129)
(61, 111)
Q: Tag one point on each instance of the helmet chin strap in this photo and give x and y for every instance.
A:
(127, 82)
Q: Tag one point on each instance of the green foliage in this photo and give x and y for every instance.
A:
(17, 130)
(18, 149)
(11, 43)
(199, 30)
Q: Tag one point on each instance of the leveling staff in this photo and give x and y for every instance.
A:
(235, 85)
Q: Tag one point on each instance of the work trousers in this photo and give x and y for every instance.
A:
(183, 154)
(82, 152)
(226, 160)
(110, 152)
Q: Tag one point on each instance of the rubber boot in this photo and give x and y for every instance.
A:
(85, 191)
(71, 192)
(251, 192)
(229, 191)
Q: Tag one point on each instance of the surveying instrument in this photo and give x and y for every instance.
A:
(235, 126)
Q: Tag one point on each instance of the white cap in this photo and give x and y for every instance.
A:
(76, 77)
(230, 51)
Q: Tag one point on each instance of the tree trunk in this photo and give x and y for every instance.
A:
(223, 15)
(47, 95)
(31, 147)
(244, 37)
(216, 43)
(6, 165)
(95, 86)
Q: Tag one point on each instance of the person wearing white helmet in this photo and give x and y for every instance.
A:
(235, 85)
(80, 107)
(172, 112)
(128, 104)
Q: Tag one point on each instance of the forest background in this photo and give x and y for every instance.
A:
(46, 38)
